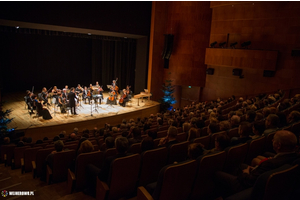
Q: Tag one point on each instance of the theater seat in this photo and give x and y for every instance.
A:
(77, 179)
(123, 179)
(29, 156)
(152, 162)
(135, 148)
(174, 182)
(207, 166)
(61, 162)
(40, 158)
(256, 147)
(178, 152)
(205, 140)
(235, 156)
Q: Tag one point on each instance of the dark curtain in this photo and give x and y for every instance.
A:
(41, 59)
(114, 59)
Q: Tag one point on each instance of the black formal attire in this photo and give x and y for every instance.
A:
(55, 95)
(45, 97)
(230, 184)
(239, 140)
(72, 97)
(62, 105)
(42, 111)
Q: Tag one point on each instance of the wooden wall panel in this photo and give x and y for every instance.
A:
(190, 24)
(272, 26)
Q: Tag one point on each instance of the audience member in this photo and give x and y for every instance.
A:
(195, 150)
(224, 126)
(284, 144)
(271, 123)
(245, 130)
(192, 134)
(110, 142)
(258, 129)
(147, 144)
(293, 117)
(85, 147)
(250, 116)
(170, 139)
(213, 128)
(136, 136)
(235, 121)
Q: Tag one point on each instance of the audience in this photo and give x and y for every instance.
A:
(245, 130)
(147, 144)
(195, 150)
(272, 123)
(258, 129)
(170, 139)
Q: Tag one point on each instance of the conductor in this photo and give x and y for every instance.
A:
(71, 97)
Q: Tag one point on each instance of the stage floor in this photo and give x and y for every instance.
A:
(104, 114)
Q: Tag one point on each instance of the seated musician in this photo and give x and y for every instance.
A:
(97, 84)
(128, 91)
(45, 96)
(40, 110)
(112, 97)
(67, 88)
(62, 103)
(78, 89)
(124, 98)
(85, 95)
(29, 101)
(64, 93)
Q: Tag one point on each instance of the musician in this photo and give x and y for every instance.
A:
(29, 101)
(79, 89)
(124, 98)
(54, 91)
(40, 110)
(71, 98)
(128, 91)
(62, 103)
(97, 84)
(67, 88)
(45, 96)
(85, 95)
(64, 93)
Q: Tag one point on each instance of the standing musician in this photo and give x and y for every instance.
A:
(97, 84)
(124, 98)
(29, 101)
(72, 97)
(45, 96)
(85, 95)
(67, 89)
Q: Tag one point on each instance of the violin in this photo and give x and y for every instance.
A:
(89, 93)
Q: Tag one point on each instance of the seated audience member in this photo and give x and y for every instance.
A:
(293, 117)
(271, 123)
(284, 144)
(45, 139)
(239, 113)
(222, 141)
(75, 131)
(92, 172)
(72, 137)
(147, 144)
(186, 127)
(24, 139)
(259, 116)
(250, 116)
(170, 139)
(106, 134)
(20, 144)
(114, 130)
(258, 129)
(136, 136)
(56, 138)
(62, 134)
(110, 142)
(193, 133)
(235, 121)
(29, 140)
(58, 145)
(6, 140)
(245, 130)
(213, 128)
(195, 150)
(152, 134)
(282, 119)
(39, 142)
(230, 114)
(85, 147)
(224, 126)
(82, 139)
(266, 112)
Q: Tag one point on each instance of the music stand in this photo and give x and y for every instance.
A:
(54, 104)
(80, 99)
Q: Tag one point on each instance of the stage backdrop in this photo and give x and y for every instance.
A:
(30, 59)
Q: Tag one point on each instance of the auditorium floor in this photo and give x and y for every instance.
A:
(14, 180)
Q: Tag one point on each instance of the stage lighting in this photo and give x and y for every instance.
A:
(246, 44)
(222, 44)
(212, 45)
(232, 45)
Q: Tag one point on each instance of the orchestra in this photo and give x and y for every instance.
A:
(66, 97)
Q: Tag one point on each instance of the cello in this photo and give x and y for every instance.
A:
(123, 96)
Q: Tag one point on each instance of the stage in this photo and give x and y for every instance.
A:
(88, 116)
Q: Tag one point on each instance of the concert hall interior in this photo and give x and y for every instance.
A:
(232, 67)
